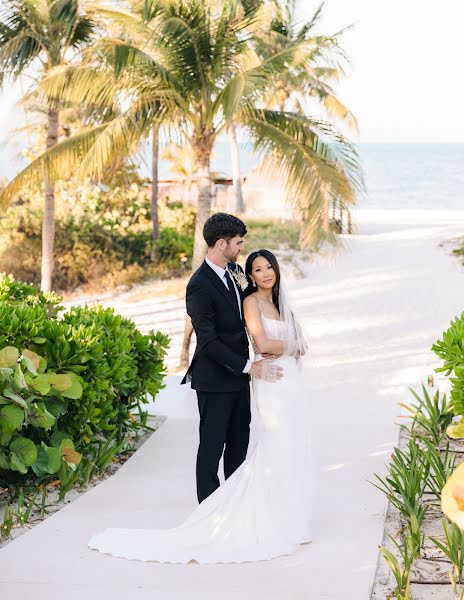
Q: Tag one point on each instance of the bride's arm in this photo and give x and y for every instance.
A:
(254, 324)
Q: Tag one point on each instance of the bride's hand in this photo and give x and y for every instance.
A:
(265, 369)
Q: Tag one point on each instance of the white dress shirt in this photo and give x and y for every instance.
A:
(221, 273)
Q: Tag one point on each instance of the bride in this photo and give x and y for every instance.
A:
(263, 509)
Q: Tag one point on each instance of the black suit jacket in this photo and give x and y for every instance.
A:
(222, 343)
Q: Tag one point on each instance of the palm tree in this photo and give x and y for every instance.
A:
(43, 34)
(154, 191)
(193, 63)
(311, 81)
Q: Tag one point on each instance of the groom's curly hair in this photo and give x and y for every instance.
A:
(222, 226)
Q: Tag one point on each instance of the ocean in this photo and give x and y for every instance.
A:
(397, 176)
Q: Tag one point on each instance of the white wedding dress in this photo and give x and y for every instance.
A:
(263, 509)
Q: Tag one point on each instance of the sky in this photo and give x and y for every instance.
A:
(405, 83)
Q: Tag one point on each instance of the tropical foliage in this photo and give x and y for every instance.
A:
(193, 68)
(423, 481)
(450, 348)
(35, 37)
(67, 383)
(102, 238)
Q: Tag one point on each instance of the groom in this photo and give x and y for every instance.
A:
(220, 369)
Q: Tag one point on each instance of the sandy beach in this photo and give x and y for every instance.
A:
(371, 315)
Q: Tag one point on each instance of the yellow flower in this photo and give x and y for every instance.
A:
(452, 497)
(456, 430)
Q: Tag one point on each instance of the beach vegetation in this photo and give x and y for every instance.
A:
(36, 37)
(72, 386)
(431, 416)
(450, 348)
(452, 546)
(419, 469)
(192, 69)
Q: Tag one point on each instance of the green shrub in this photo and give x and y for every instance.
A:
(100, 236)
(93, 369)
(172, 246)
(32, 400)
(272, 234)
(451, 350)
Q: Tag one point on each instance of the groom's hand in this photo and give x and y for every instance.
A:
(265, 369)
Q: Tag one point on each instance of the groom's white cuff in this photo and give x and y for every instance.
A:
(247, 366)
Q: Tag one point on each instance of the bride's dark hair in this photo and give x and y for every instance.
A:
(271, 258)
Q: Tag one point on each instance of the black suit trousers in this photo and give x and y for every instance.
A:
(224, 427)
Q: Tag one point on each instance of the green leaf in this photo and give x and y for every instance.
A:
(39, 383)
(56, 407)
(33, 358)
(49, 461)
(5, 437)
(39, 340)
(67, 443)
(41, 464)
(9, 356)
(19, 377)
(67, 383)
(15, 397)
(30, 366)
(25, 450)
(58, 437)
(40, 417)
(54, 459)
(60, 382)
(4, 460)
(17, 465)
(42, 365)
(74, 392)
(11, 417)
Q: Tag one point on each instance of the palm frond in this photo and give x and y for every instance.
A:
(82, 84)
(57, 163)
(309, 25)
(317, 165)
(259, 78)
(336, 109)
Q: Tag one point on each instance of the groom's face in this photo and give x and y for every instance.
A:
(232, 248)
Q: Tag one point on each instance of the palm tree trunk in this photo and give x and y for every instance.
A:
(154, 192)
(236, 182)
(202, 151)
(48, 221)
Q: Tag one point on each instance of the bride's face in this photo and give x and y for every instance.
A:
(263, 273)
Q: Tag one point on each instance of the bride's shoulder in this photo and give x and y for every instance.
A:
(250, 300)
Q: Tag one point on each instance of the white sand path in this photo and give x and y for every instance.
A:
(372, 316)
